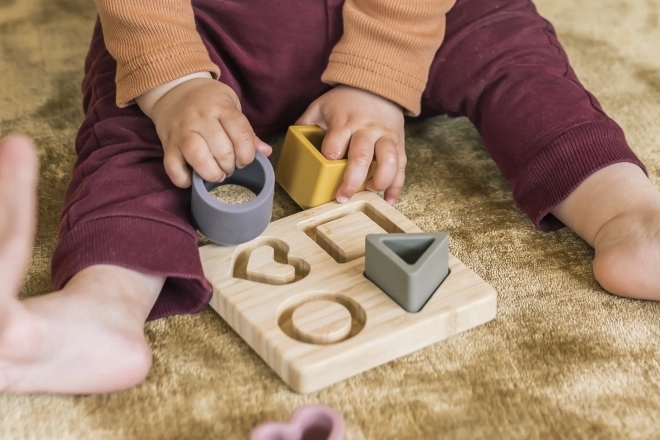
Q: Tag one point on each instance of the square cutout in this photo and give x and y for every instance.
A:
(343, 238)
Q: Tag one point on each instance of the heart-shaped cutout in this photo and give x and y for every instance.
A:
(263, 268)
(311, 422)
(267, 260)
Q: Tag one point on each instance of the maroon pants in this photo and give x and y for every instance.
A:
(500, 65)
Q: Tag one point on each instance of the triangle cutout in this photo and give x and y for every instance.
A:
(410, 249)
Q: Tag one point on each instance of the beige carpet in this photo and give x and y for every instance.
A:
(563, 359)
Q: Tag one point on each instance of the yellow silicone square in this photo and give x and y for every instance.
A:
(308, 177)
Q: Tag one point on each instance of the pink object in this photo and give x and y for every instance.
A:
(311, 422)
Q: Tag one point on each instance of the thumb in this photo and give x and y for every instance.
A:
(312, 116)
(263, 147)
(18, 181)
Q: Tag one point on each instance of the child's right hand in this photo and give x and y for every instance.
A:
(200, 123)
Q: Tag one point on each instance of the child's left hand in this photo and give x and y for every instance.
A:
(366, 125)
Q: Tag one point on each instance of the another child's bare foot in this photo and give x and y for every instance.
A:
(86, 338)
(617, 211)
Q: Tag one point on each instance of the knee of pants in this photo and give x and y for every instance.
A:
(511, 41)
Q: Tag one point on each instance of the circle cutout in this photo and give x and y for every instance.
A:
(321, 322)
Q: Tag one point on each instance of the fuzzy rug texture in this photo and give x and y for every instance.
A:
(563, 359)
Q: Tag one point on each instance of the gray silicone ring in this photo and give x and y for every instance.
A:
(229, 224)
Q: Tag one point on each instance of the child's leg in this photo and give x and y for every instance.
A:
(121, 209)
(125, 228)
(502, 66)
(67, 340)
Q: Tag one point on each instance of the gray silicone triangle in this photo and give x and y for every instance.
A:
(407, 267)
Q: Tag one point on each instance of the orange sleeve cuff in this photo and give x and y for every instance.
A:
(382, 80)
(142, 74)
(388, 47)
(153, 42)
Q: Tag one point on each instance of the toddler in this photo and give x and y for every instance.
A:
(213, 77)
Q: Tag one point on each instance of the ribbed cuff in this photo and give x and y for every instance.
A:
(142, 245)
(376, 78)
(564, 164)
(140, 76)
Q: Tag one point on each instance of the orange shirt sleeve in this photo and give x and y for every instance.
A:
(154, 42)
(388, 46)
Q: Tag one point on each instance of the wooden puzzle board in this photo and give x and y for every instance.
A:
(380, 330)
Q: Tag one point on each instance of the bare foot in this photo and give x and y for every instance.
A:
(627, 261)
(617, 211)
(86, 338)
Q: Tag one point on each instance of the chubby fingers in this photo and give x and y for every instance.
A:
(221, 148)
(386, 164)
(176, 167)
(214, 148)
(336, 142)
(230, 139)
(210, 153)
(360, 147)
(196, 152)
(338, 134)
(393, 190)
(337, 137)
(390, 173)
(360, 155)
(240, 134)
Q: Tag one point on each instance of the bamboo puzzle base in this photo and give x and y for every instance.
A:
(315, 320)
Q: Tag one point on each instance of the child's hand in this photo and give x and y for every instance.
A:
(200, 123)
(366, 125)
